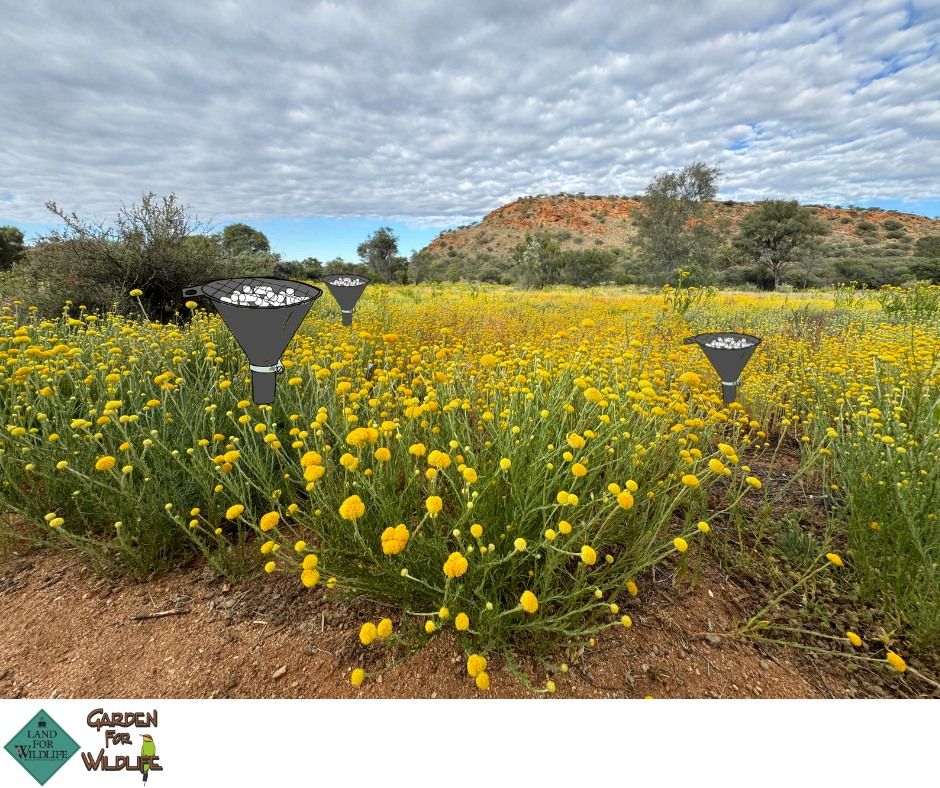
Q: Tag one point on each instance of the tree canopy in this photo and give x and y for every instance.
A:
(11, 246)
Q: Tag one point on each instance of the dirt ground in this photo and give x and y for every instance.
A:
(68, 633)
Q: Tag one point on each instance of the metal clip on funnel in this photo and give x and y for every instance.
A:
(262, 331)
(347, 290)
(728, 352)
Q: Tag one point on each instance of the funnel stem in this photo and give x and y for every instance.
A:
(729, 391)
(262, 387)
(347, 317)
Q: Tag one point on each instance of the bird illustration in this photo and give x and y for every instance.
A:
(147, 750)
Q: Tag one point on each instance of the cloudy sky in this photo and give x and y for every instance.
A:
(320, 121)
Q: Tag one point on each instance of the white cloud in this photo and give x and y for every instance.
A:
(435, 113)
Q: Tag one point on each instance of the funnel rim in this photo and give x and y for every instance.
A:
(218, 283)
(706, 335)
(328, 278)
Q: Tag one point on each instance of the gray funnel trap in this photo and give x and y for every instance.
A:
(347, 290)
(263, 315)
(728, 352)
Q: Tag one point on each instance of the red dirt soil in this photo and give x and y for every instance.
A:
(68, 633)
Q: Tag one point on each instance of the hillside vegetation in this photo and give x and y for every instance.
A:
(867, 245)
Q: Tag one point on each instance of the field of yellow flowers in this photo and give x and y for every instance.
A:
(502, 464)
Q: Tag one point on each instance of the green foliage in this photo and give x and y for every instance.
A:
(668, 234)
(240, 239)
(537, 261)
(586, 267)
(919, 301)
(380, 252)
(778, 232)
(11, 247)
(155, 246)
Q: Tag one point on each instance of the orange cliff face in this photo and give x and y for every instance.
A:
(577, 221)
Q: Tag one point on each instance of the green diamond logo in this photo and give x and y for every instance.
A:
(42, 747)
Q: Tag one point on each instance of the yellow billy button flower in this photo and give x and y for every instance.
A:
(309, 577)
(234, 511)
(529, 602)
(136, 292)
(505, 464)
(626, 621)
(269, 521)
(703, 527)
(854, 639)
(588, 555)
(632, 590)
(754, 482)
(382, 454)
(105, 463)
(270, 566)
(352, 508)
(300, 545)
(483, 681)
(368, 632)
(310, 561)
(429, 627)
(624, 500)
(434, 504)
(680, 544)
(456, 565)
(578, 470)
(896, 662)
(613, 488)
(462, 622)
(564, 527)
(476, 530)
(357, 677)
(520, 544)
(690, 480)
(394, 539)
(384, 629)
(835, 559)
(475, 665)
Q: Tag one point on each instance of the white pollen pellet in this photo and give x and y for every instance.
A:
(263, 296)
(729, 343)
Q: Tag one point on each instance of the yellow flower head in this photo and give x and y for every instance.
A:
(483, 681)
(505, 464)
(896, 662)
(269, 521)
(309, 577)
(382, 454)
(475, 665)
(357, 677)
(434, 504)
(680, 544)
(529, 602)
(632, 590)
(835, 559)
(575, 441)
(588, 555)
(564, 527)
(234, 511)
(690, 480)
(394, 539)
(476, 530)
(310, 458)
(703, 527)
(520, 544)
(578, 470)
(384, 629)
(105, 463)
(456, 565)
(352, 508)
(624, 500)
(854, 639)
(754, 482)
(438, 459)
(368, 633)
(462, 622)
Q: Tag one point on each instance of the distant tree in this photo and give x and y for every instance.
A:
(239, 239)
(419, 266)
(11, 247)
(586, 267)
(155, 246)
(380, 252)
(536, 261)
(670, 232)
(928, 246)
(776, 233)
